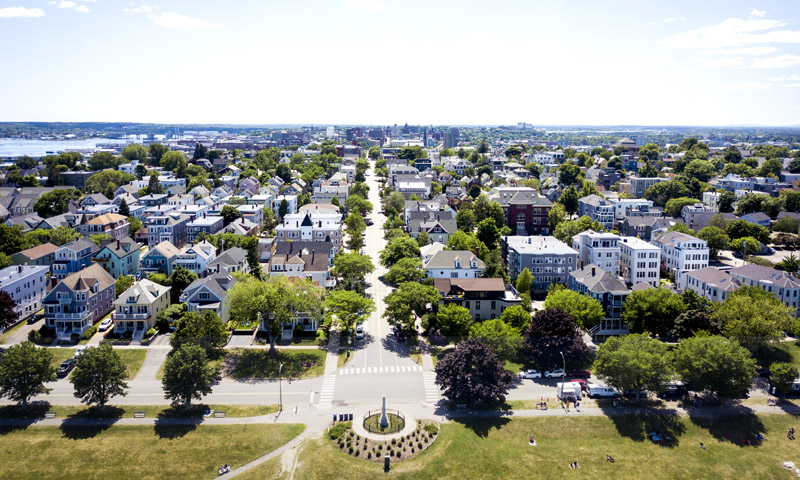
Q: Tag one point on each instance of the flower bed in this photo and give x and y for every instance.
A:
(398, 449)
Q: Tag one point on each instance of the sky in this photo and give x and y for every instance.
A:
(379, 62)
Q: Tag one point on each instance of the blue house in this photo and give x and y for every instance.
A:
(160, 259)
(73, 257)
(119, 257)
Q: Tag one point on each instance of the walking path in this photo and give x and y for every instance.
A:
(152, 363)
(332, 360)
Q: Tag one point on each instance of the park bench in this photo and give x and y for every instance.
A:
(219, 414)
(49, 414)
(461, 407)
(139, 414)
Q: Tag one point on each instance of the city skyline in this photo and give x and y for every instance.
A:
(385, 62)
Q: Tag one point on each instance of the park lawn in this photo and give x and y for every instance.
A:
(59, 355)
(141, 452)
(214, 362)
(133, 358)
(38, 409)
(272, 469)
(258, 364)
(498, 448)
(513, 367)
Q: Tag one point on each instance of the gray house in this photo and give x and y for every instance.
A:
(78, 301)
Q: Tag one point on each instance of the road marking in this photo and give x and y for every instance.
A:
(431, 389)
(326, 392)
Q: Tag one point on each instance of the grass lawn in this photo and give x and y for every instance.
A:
(513, 367)
(141, 452)
(37, 410)
(59, 355)
(498, 448)
(132, 358)
(271, 469)
(438, 353)
(251, 363)
(783, 352)
(343, 359)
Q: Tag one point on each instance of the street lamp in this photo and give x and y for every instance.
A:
(563, 372)
(280, 384)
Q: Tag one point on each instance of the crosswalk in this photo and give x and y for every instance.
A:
(384, 369)
(326, 392)
(431, 389)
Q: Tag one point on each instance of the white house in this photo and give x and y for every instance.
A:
(599, 249)
(319, 227)
(196, 258)
(640, 261)
(681, 252)
(26, 284)
(454, 264)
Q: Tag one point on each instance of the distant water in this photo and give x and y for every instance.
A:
(38, 148)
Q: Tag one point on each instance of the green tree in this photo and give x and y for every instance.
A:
(124, 209)
(568, 229)
(754, 317)
(569, 199)
(345, 308)
(550, 334)
(488, 233)
(99, 238)
(352, 268)
(675, 205)
(187, 375)
(180, 279)
(24, 369)
(357, 204)
(505, 340)
(586, 311)
(556, 216)
(394, 203)
(55, 202)
(63, 235)
(753, 246)
(516, 317)
(742, 228)
(524, 281)
(229, 214)
(681, 227)
(650, 152)
(786, 225)
(407, 300)
(274, 301)
(789, 264)
(496, 266)
(26, 163)
(405, 270)
(135, 151)
(466, 241)
(633, 362)
(205, 330)
(200, 151)
(99, 375)
(662, 192)
(716, 238)
(173, 161)
(653, 310)
(465, 220)
(772, 166)
(103, 160)
(569, 174)
(403, 247)
(472, 374)
(123, 283)
(454, 321)
(156, 151)
(135, 224)
(714, 363)
(782, 376)
(283, 209)
(154, 186)
(702, 170)
(101, 181)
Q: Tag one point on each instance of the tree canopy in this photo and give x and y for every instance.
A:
(551, 333)
(472, 374)
(633, 362)
(187, 375)
(99, 375)
(653, 311)
(754, 317)
(24, 369)
(714, 363)
(586, 311)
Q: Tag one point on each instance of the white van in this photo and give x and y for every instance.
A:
(568, 390)
(599, 391)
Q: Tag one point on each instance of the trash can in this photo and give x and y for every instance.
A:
(386, 461)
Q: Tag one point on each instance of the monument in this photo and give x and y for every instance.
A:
(384, 418)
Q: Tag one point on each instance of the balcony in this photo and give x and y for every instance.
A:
(130, 316)
(71, 316)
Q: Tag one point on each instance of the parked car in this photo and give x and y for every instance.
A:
(401, 337)
(79, 351)
(359, 330)
(580, 374)
(34, 318)
(66, 367)
(530, 374)
(599, 391)
(558, 372)
(674, 390)
(105, 324)
(631, 393)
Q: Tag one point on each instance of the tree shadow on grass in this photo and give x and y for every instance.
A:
(482, 426)
(175, 428)
(90, 422)
(637, 424)
(19, 418)
(736, 425)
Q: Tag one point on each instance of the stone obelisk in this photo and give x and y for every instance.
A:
(384, 418)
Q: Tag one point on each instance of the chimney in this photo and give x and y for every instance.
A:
(117, 244)
(593, 271)
(20, 269)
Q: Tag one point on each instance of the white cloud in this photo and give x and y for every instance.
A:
(733, 32)
(10, 12)
(141, 9)
(756, 13)
(669, 20)
(66, 4)
(745, 86)
(781, 61)
(82, 9)
(182, 22)
(755, 51)
(368, 5)
(785, 78)
(792, 85)
(727, 62)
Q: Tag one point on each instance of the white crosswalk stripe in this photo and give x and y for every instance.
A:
(431, 389)
(379, 369)
(326, 392)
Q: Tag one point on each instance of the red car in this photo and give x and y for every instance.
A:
(580, 373)
(583, 383)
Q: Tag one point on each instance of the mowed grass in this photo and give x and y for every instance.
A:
(38, 409)
(258, 364)
(133, 358)
(498, 448)
(271, 469)
(141, 452)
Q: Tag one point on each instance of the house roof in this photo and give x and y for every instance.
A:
(87, 278)
(231, 256)
(117, 247)
(669, 238)
(448, 258)
(715, 278)
(166, 249)
(766, 275)
(469, 284)
(757, 216)
(80, 245)
(144, 291)
(98, 198)
(107, 218)
(598, 280)
(40, 251)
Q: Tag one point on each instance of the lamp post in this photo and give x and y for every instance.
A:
(280, 384)
(563, 372)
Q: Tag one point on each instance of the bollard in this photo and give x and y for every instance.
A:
(386, 460)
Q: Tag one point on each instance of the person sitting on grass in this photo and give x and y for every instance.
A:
(702, 446)
(531, 441)
(610, 459)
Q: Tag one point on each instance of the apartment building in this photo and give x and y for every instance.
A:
(681, 252)
(599, 249)
(26, 284)
(640, 261)
(599, 209)
(549, 259)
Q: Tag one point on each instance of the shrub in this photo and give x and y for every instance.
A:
(419, 445)
(380, 447)
(338, 430)
(431, 429)
(394, 442)
(149, 333)
(87, 334)
(356, 453)
(350, 450)
(34, 336)
(369, 455)
(74, 338)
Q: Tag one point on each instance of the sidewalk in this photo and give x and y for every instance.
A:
(152, 363)
(425, 351)
(332, 360)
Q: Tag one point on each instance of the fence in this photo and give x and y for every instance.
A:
(391, 428)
